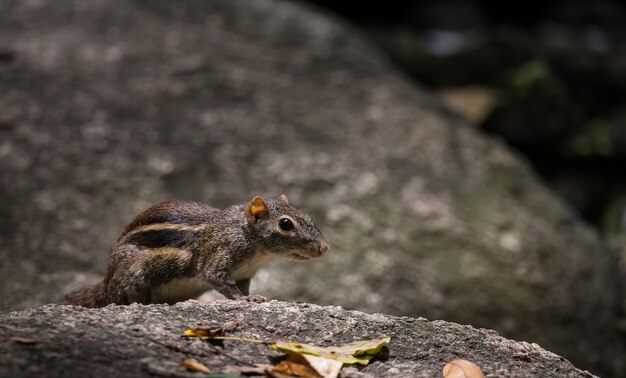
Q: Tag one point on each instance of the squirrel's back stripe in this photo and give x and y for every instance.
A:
(174, 212)
(162, 235)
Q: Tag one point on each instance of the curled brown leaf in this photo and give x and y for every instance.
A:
(23, 340)
(193, 365)
(462, 369)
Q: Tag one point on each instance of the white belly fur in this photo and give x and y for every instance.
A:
(179, 289)
(251, 265)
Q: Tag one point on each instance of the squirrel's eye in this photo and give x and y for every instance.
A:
(285, 224)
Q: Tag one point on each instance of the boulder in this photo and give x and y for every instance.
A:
(146, 341)
(110, 106)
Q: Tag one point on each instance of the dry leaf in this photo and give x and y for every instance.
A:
(295, 369)
(258, 369)
(213, 331)
(358, 352)
(194, 365)
(203, 332)
(303, 365)
(475, 103)
(461, 369)
(23, 340)
(325, 367)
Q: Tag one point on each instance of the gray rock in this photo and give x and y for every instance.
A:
(138, 340)
(110, 106)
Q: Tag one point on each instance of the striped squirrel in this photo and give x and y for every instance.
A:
(175, 251)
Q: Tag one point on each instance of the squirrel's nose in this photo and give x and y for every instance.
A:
(323, 248)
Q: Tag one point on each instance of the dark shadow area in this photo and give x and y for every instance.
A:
(547, 77)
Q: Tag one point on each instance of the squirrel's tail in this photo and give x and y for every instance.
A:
(90, 297)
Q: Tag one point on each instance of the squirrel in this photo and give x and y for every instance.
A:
(177, 250)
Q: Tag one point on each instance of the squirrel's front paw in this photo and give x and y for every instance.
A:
(254, 298)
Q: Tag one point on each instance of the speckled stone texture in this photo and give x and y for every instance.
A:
(109, 106)
(138, 340)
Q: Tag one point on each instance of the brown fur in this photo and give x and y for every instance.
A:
(176, 250)
(90, 297)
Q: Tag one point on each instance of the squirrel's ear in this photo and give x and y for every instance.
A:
(283, 198)
(256, 210)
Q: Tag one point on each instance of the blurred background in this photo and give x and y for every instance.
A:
(548, 78)
(464, 159)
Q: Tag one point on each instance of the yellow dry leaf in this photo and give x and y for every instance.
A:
(200, 332)
(213, 331)
(194, 365)
(358, 352)
(462, 369)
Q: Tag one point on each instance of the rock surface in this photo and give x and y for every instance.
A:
(138, 340)
(109, 106)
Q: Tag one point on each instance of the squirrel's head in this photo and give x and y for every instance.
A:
(284, 229)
